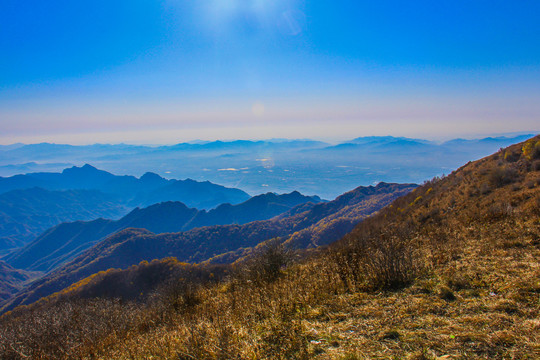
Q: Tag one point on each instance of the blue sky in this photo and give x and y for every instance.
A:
(175, 70)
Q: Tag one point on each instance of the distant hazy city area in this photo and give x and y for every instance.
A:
(281, 166)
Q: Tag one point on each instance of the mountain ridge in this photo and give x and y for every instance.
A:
(65, 241)
(26, 199)
(130, 246)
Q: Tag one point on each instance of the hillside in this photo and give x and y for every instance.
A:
(32, 203)
(201, 195)
(131, 246)
(24, 214)
(65, 241)
(13, 280)
(448, 271)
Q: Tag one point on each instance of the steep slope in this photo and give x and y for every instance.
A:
(131, 246)
(24, 214)
(65, 241)
(13, 280)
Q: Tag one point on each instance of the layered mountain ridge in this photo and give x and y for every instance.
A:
(32, 203)
(130, 246)
(65, 241)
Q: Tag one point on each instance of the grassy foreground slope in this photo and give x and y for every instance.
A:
(449, 271)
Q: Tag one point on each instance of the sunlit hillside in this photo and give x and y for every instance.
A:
(449, 271)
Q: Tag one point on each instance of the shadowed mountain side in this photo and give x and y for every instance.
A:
(24, 214)
(259, 207)
(65, 241)
(327, 222)
(201, 195)
(12, 280)
(26, 211)
(85, 177)
(146, 190)
(131, 246)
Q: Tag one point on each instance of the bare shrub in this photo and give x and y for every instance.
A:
(266, 263)
(379, 258)
(501, 176)
(66, 329)
(346, 264)
(179, 295)
(389, 261)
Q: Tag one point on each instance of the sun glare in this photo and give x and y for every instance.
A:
(280, 15)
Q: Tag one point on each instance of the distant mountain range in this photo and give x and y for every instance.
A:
(32, 203)
(303, 226)
(281, 166)
(67, 240)
(132, 190)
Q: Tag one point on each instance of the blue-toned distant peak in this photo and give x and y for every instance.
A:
(245, 144)
(386, 140)
(500, 140)
(85, 168)
(151, 177)
(87, 173)
(382, 142)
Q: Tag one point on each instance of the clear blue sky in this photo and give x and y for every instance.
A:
(168, 71)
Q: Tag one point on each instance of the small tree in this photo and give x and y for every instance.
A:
(267, 261)
(531, 149)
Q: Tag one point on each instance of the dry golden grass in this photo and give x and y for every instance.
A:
(492, 313)
(473, 291)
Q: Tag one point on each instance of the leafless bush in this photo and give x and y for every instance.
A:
(501, 176)
(379, 258)
(345, 263)
(389, 261)
(266, 263)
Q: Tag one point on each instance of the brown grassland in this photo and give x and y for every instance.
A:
(449, 271)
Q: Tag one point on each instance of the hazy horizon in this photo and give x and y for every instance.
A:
(330, 141)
